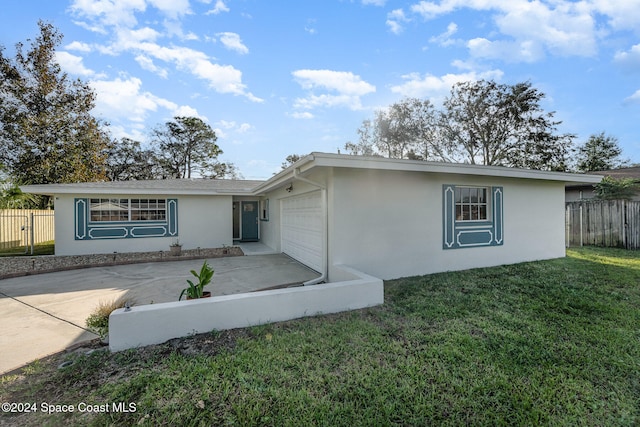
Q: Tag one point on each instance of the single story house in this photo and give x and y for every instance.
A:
(386, 217)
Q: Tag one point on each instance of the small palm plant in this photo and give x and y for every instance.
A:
(196, 290)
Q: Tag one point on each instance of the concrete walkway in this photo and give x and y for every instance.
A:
(44, 314)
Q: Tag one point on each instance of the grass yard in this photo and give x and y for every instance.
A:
(44, 248)
(552, 342)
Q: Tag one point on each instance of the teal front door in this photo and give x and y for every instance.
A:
(249, 221)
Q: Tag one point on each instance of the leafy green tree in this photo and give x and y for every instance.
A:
(484, 122)
(11, 197)
(226, 170)
(127, 160)
(47, 133)
(291, 159)
(611, 188)
(600, 152)
(186, 146)
(407, 129)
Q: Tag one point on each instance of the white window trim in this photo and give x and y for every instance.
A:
(487, 204)
(129, 210)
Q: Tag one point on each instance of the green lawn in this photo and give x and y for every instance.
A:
(552, 342)
(44, 248)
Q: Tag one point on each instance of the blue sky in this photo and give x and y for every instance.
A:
(281, 77)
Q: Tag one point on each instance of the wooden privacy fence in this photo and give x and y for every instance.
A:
(612, 223)
(25, 227)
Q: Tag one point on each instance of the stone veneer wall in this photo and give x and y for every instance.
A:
(26, 265)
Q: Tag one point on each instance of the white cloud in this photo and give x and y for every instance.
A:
(187, 111)
(444, 39)
(121, 13)
(622, 14)
(218, 8)
(108, 12)
(147, 63)
(437, 88)
(231, 126)
(374, 2)
(119, 16)
(303, 115)
(232, 42)
(635, 98)
(529, 28)
(340, 81)
(79, 47)
(346, 88)
(630, 58)
(395, 18)
(310, 27)
(72, 64)
(172, 8)
(244, 128)
(510, 51)
(123, 99)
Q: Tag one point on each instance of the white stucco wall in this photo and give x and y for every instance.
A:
(203, 221)
(389, 224)
(270, 230)
(139, 326)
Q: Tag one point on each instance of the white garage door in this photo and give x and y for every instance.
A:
(302, 228)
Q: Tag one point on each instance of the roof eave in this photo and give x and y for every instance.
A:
(54, 190)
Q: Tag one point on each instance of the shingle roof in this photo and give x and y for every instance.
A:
(632, 172)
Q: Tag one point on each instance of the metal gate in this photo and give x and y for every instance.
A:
(25, 228)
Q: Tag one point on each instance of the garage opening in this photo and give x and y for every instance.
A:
(302, 229)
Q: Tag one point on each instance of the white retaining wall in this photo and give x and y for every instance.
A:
(157, 323)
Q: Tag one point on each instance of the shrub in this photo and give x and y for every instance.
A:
(98, 321)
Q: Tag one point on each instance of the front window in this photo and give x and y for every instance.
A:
(471, 203)
(102, 210)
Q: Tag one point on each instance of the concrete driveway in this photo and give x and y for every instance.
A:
(44, 314)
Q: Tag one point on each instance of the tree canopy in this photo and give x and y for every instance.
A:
(612, 188)
(481, 122)
(186, 147)
(127, 161)
(600, 152)
(47, 133)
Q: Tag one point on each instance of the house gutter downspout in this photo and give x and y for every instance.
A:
(325, 242)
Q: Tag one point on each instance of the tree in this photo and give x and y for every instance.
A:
(47, 134)
(611, 188)
(404, 130)
(224, 171)
(11, 197)
(127, 161)
(186, 146)
(484, 122)
(365, 145)
(291, 159)
(600, 152)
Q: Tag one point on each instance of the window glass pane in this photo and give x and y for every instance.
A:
(473, 195)
(118, 210)
(471, 204)
(466, 214)
(465, 194)
(483, 212)
(482, 196)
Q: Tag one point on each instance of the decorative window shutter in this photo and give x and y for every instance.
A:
(459, 234)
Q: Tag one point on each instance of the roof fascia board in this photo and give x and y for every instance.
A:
(52, 189)
(285, 176)
(332, 160)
